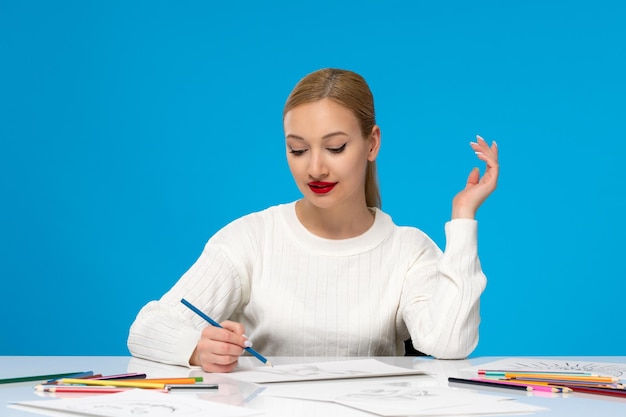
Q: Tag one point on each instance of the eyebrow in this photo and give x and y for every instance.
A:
(326, 136)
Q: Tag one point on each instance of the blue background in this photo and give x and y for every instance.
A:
(131, 131)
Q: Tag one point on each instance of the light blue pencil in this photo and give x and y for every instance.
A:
(216, 324)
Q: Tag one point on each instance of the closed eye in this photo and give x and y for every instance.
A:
(338, 150)
(296, 152)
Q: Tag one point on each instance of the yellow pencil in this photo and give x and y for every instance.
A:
(111, 383)
(170, 381)
(546, 377)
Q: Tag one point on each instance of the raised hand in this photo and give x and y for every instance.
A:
(466, 203)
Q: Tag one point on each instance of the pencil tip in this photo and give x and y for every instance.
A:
(268, 363)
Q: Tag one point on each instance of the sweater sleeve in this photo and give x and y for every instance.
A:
(441, 296)
(217, 283)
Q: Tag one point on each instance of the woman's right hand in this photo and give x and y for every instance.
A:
(218, 349)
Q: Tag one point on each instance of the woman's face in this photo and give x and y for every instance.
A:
(327, 153)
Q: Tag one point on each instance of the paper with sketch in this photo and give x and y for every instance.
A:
(359, 368)
(539, 364)
(133, 403)
(401, 397)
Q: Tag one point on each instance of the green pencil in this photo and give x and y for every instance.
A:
(38, 377)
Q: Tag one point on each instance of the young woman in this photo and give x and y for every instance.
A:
(329, 274)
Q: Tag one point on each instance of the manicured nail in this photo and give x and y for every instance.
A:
(494, 142)
(478, 153)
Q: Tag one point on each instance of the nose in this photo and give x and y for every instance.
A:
(317, 166)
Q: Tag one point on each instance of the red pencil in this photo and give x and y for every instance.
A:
(615, 392)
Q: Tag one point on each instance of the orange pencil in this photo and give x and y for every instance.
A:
(169, 381)
(112, 383)
(566, 383)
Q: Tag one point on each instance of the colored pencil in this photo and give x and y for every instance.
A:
(506, 384)
(565, 382)
(112, 383)
(190, 387)
(122, 376)
(171, 381)
(82, 375)
(574, 385)
(616, 392)
(596, 385)
(216, 324)
(562, 377)
(40, 377)
(485, 383)
(94, 376)
(87, 374)
(502, 372)
(534, 384)
(84, 389)
(550, 388)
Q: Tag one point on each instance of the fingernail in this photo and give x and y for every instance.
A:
(478, 153)
(494, 142)
(244, 335)
(247, 343)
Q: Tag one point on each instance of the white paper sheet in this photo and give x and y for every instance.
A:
(401, 397)
(539, 364)
(360, 368)
(133, 403)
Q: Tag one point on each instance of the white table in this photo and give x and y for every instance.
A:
(563, 405)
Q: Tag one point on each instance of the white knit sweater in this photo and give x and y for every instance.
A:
(301, 295)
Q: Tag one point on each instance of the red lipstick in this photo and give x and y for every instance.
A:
(319, 187)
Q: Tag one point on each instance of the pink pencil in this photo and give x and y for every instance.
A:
(548, 388)
(529, 387)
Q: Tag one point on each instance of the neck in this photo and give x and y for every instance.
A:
(335, 222)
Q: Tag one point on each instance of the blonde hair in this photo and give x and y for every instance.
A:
(351, 91)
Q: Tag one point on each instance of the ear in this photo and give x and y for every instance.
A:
(374, 142)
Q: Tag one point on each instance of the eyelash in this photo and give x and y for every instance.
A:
(338, 150)
(298, 152)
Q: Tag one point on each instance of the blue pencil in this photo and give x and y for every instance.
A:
(85, 374)
(216, 324)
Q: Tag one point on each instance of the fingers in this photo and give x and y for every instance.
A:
(485, 152)
(488, 154)
(201, 356)
(473, 177)
(477, 189)
(218, 349)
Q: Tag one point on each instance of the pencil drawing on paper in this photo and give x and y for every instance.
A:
(307, 370)
(571, 366)
(387, 392)
(134, 408)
